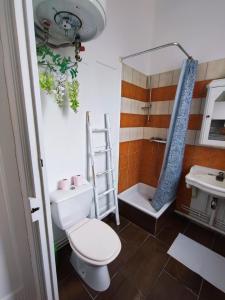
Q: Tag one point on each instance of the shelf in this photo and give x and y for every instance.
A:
(158, 141)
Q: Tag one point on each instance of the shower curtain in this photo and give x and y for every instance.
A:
(174, 152)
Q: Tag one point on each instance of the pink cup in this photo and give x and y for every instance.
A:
(77, 180)
(64, 185)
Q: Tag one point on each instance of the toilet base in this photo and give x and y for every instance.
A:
(96, 277)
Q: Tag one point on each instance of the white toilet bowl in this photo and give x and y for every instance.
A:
(94, 246)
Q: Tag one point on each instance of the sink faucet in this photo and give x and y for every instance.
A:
(220, 176)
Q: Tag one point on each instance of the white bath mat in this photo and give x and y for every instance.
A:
(203, 261)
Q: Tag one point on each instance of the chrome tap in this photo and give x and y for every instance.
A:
(220, 176)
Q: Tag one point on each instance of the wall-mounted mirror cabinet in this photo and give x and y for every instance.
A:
(213, 124)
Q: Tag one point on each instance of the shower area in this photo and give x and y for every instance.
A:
(150, 108)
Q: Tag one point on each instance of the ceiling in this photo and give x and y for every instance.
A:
(132, 26)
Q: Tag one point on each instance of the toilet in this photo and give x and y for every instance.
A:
(94, 244)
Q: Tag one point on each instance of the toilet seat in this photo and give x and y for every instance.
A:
(94, 241)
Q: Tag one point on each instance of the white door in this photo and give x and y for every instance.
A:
(27, 266)
(16, 272)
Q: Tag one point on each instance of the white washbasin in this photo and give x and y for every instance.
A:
(205, 179)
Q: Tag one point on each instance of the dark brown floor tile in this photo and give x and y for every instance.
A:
(175, 225)
(219, 245)
(209, 292)
(71, 288)
(120, 289)
(184, 275)
(200, 235)
(133, 235)
(64, 267)
(169, 288)
(145, 266)
(126, 253)
(110, 220)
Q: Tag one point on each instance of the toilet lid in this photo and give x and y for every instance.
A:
(95, 240)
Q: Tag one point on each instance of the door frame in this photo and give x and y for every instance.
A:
(24, 94)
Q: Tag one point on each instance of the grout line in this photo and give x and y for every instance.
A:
(182, 283)
(124, 227)
(87, 291)
(200, 290)
(160, 273)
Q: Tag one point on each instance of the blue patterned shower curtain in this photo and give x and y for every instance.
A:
(174, 152)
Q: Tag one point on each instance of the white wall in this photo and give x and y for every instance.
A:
(100, 81)
(65, 139)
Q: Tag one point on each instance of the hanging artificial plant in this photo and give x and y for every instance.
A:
(59, 76)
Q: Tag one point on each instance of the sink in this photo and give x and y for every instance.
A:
(205, 179)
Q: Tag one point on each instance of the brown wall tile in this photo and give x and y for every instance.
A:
(200, 89)
(129, 164)
(164, 93)
(132, 120)
(163, 121)
(168, 92)
(132, 91)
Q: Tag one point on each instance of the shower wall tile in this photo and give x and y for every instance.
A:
(195, 122)
(158, 121)
(201, 71)
(190, 137)
(132, 120)
(131, 134)
(203, 101)
(124, 134)
(132, 91)
(136, 78)
(131, 106)
(150, 133)
(216, 69)
(129, 163)
(176, 76)
(127, 73)
(196, 106)
(164, 93)
(137, 107)
(160, 107)
(163, 121)
(165, 79)
(171, 104)
(144, 81)
(197, 136)
(154, 81)
(136, 133)
(200, 89)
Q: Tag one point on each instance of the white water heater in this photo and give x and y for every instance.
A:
(68, 20)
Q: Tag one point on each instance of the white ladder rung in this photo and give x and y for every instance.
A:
(104, 172)
(106, 213)
(102, 150)
(106, 193)
(96, 130)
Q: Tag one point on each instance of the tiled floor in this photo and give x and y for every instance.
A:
(143, 270)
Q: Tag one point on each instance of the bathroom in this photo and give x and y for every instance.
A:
(142, 95)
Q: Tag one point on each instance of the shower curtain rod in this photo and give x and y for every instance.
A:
(157, 48)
